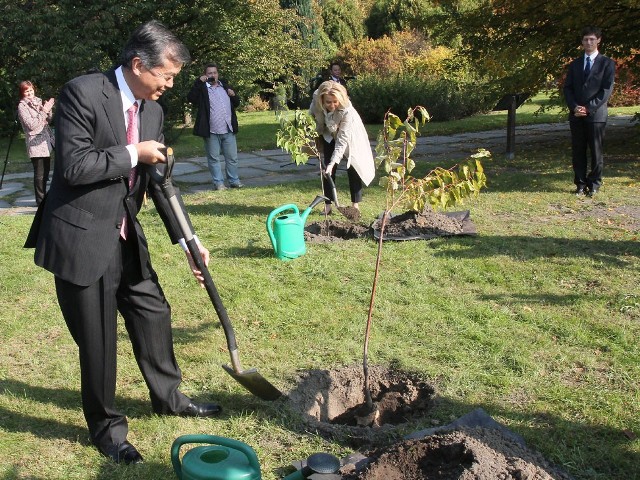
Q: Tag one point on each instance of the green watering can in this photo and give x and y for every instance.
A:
(287, 231)
(223, 459)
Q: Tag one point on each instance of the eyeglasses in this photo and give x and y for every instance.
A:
(166, 76)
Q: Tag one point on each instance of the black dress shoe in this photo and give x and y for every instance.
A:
(121, 453)
(201, 410)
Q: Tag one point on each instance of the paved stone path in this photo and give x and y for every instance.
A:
(269, 167)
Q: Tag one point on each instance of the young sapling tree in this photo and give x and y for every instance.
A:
(440, 188)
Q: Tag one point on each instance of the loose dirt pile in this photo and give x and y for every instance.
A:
(406, 226)
(334, 231)
(332, 404)
(469, 454)
(428, 224)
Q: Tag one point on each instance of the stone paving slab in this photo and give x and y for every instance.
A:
(9, 188)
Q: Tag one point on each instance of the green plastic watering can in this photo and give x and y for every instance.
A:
(287, 231)
(222, 459)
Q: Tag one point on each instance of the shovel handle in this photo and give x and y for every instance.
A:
(192, 246)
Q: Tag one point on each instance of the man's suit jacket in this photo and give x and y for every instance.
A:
(594, 91)
(199, 97)
(76, 229)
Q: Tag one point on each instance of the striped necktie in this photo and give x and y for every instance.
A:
(132, 138)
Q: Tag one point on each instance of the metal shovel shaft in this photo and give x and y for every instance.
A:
(250, 379)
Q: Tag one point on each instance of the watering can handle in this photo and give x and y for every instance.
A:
(214, 440)
(272, 216)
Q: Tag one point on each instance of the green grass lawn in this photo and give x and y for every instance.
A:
(536, 319)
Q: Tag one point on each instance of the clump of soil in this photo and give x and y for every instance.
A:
(351, 213)
(467, 454)
(428, 224)
(333, 402)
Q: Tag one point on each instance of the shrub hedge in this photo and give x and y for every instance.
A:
(444, 99)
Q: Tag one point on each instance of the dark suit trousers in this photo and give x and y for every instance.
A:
(587, 135)
(91, 316)
(355, 182)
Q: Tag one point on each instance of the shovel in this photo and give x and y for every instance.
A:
(351, 213)
(249, 379)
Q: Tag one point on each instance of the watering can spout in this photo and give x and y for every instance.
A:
(307, 211)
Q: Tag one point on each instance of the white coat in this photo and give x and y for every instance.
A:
(346, 128)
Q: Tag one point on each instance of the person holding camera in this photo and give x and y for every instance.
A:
(217, 123)
(34, 116)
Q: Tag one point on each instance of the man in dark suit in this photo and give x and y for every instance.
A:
(587, 89)
(86, 232)
(334, 72)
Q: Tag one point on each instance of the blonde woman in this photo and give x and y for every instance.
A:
(343, 137)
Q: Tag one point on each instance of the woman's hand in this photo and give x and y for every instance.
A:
(330, 168)
(48, 105)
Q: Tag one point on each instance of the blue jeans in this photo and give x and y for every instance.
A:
(216, 146)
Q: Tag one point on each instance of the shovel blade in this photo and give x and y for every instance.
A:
(255, 383)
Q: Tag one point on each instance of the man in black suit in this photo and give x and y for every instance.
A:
(86, 232)
(334, 72)
(587, 89)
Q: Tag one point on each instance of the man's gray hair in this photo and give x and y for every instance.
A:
(154, 44)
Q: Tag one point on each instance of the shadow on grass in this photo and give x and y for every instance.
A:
(229, 209)
(535, 247)
(109, 471)
(60, 398)
(538, 166)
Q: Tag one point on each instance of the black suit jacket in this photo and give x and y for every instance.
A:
(594, 91)
(76, 229)
(199, 97)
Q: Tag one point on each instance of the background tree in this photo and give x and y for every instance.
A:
(389, 16)
(343, 20)
(525, 45)
(404, 69)
(51, 42)
(313, 37)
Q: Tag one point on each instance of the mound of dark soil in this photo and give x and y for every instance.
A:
(334, 231)
(468, 454)
(474, 447)
(405, 226)
(425, 225)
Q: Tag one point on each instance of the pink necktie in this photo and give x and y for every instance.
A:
(132, 138)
